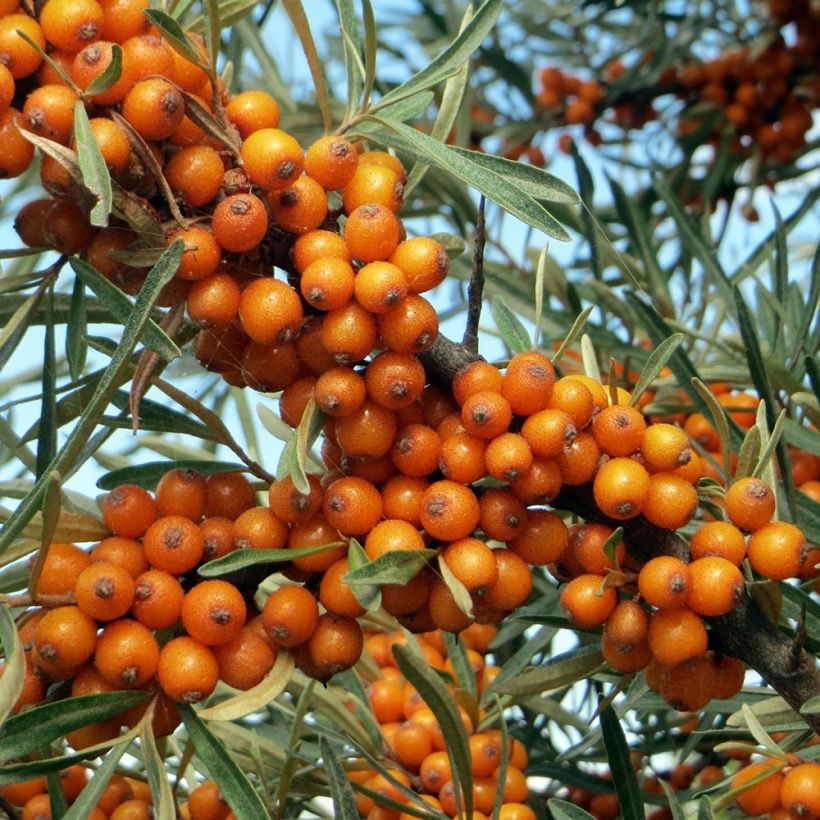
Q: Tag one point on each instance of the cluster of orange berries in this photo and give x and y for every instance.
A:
(123, 798)
(790, 791)
(417, 747)
(242, 194)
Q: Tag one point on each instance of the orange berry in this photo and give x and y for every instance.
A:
(619, 429)
(777, 550)
(244, 660)
(104, 591)
(721, 539)
(62, 565)
(372, 232)
(800, 791)
(332, 161)
(676, 635)
(349, 333)
(270, 311)
(620, 488)
(229, 495)
(528, 383)
(15, 53)
(579, 460)
(195, 174)
(549, 432)
(299, 208)
(64, 639)
(717, 586)
(49, 112)
(272, 158)
(127, 654)
(129, 510)
(665, 447)
(335, 645)
(762, 797)
(213, 612)
(290, 615)
(154, 107)
(542, 538)
(750, 503)
(514, 582)
(188, 670)
(252, 111)
(665, 582)
(449, 511)
(586, 603)
(411, 326)
(240, 223)
(503, 516)
(158, 597)
(473, 563)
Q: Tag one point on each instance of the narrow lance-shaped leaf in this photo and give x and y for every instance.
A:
(510, 327)
(82, 807)
(76, 348)
(109, 76)
(654, 364)
(47, 438)
(620, 764)
(220, 766)
(352, 44)
(96, 177)
(341, 792)
(11, 683)
(164, 804)
(149, 473)
(157, 278)
(562, 810)
(175, 35)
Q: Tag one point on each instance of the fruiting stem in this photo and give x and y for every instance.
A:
(475, 290)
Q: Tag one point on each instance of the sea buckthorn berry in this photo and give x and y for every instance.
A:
(716, 586)
(328, 283)
(188, 670)
(750, 503)
(764, 796)
(67, 228)
(670, 501)
(291, 504)
(270, 311)
(349, 333)
(127, 654)
(473, 563)
(240, 222)
(30, 220)
(182, 491)
(272, 158)
(16, 152)
(299, 208)
(269, 368)
(91, 62)
(411, 326)
(402, 496)
(690, 685)
(587, 542)
(741, 408)
(676, 635)
(207, 801)
(331, 161)
(316, 532)
(395, 380)
(335, 595)
(129, 510)
(380, 286)
(719, 538)
(315, 245)
(295, 398)
(229, 495)
(528, 383)
(541, 483)
(372, 233)
(407, 599)
(174, 544)
(64, 639)
(486, 414)
(16, 54)
(665, 582)
(335, 645)
(113, 143)
(412, 744)
(503, 516)
(701, 430)
(579, 461)
(476, 377)
(195, 174)
(620, 488)
(19, 793)
(158, 599)
(340, 391)
(449, 511)
(213, 612)
(104, 591)
(777, 550)
(124, 19)
(252, 111)
(218, 537)
(444, 611)
(800, 790)
(575, 399)
(201, 253)
(352, 505)
(665, 447)
(619, 429)
(71, 24)
(373, 185)
(62, 566)
(628, 626)
(416, 450)
(424, 263)
(49, 112)
(585, 601)
(369, 431)
(513, 585)
(244, 660)
(132, 810)
(508, 457)
(387, 160)
(290, 615)
(542, 539)
(148, 55)
(549, 432)
(154, 108)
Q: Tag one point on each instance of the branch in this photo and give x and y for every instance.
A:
(475, 290)
(744, 633)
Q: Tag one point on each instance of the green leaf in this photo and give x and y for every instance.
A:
(56, 798)
(765, 458)
(109, 382)
(763, 738)
(396, 567)
(453, 57)
(18, 324)
(431, 687)
(536, 182)
(35, 728)
(81, 808)
(173, 32)
(368, 594)
(240, 559)
(510, 327)
(164, 804)
(76, 327)
(344, 801)
(257, 697)
(96, 177)
(148, 473)
(674, 802)
(705, 809)
(460, 593)
(219, 765)
(500, 190)
(298, 17)
(370, 51)
(561, 670)
(457, 653)
(121, 308)
(47, 439)
(572, 335)
(562, 810)
(540, 271)
(720, 419)
(620, 764)
(811, 706)
(589, 358)
(352, 44)
(11, 683)
(110, 76)
(654, 364)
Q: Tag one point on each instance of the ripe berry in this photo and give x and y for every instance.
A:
(240, 222)
(213, 612)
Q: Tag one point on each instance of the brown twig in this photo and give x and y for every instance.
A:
(23, 599)
(475, 290)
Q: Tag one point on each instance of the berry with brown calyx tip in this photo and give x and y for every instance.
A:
(187, 670)
(240, 222)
